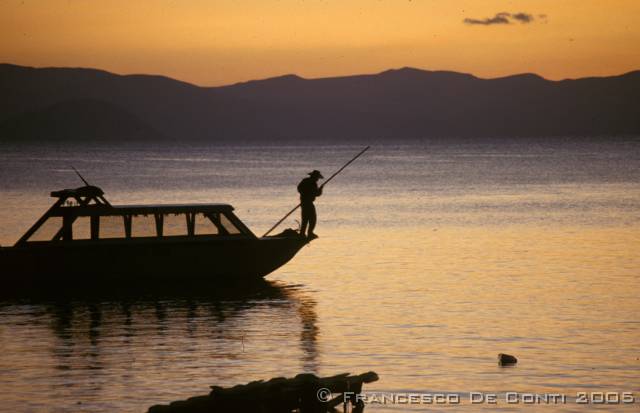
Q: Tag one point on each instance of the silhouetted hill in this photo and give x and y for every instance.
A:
(84, 119)
(395, 104)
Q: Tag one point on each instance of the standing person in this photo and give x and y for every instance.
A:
(309, 190)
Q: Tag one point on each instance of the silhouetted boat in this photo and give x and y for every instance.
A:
(83, 239)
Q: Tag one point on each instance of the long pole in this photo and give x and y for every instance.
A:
(323, 184)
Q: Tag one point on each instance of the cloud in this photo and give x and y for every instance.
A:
(500, 18)
(522, 17)
(504, 18)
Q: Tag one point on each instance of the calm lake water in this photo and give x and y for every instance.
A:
(432, 259)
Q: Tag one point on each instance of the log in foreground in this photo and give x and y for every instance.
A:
(305, 393)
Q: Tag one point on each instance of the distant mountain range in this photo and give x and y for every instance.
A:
(86, 104)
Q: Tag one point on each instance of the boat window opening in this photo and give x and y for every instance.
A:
(112, 226)
(174, 225)
(205, 226)
(143, 226)
(228, 225)
(81, 228)
(47, 230)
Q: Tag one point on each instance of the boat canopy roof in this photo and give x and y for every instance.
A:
(85, 210)
(90, 200)
(179, 207)
(88, 206)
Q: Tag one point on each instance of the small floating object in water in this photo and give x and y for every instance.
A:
(506, 359)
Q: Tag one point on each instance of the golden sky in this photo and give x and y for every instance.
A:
(214, 42)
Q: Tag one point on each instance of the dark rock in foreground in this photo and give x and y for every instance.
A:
(304, 393)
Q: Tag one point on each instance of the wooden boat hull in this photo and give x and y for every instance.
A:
(134, 261)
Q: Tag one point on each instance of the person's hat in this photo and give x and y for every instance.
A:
(317, 173)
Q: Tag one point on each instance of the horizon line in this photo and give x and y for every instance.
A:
(294, 75)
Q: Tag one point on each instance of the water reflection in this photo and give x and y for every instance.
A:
(308, 333)
(100, 342)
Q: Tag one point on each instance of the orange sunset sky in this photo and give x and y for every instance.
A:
(214, 42)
